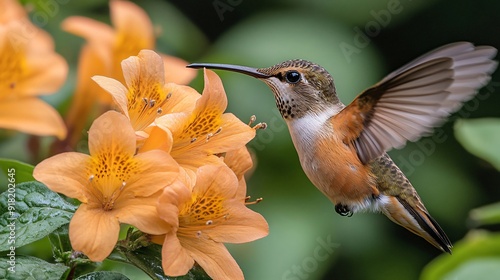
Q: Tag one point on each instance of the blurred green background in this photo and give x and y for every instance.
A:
(261, 33)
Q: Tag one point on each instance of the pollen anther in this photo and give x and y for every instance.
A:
(218, 130)
(252, 119)
(261, 125)
(209, 136)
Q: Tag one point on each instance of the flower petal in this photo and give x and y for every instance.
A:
(213, 95)
(172, 198)
(27, 72)
(11, 10)
(234, 135)
(158, 169)
(187, 176)
(205, 117)
(142, 214)
(31, 115)
(240, 161)
(157, 239)
(243, 225)
(94, 232)
(116, 90)
(111, 132)
(95, 32)
(100, 38)
(176, 261)
(213, 257)
(158, 139)
(132, 22)
(145, 69)
(172, 123)
(182, 98)
(43, 70)
(192, 161)
(62, 173)
(45, 75)
(85, 97)
(242, 189)
(217, 180)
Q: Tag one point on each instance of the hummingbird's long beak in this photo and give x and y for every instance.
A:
(254, 72)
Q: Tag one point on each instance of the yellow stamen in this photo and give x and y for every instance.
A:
(145, 101)
(247, 202)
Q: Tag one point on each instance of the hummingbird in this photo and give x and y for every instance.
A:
(342, 149)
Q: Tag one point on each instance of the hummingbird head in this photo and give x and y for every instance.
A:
(300, 87)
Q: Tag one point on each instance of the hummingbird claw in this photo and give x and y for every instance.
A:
(343, 210)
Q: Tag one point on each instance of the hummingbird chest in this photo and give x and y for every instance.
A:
(332, 165)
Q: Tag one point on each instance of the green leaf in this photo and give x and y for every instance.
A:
(486, 215)
(104, 275)
(147, 259)
(30, 212)
(480, 137)
(481, 268)
(59, 238)
(26, 267)
(13, 171)
(196, 273)
(476, 251)
(61, 246)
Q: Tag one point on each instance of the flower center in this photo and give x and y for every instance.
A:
(199, 130)
(108, 178)
(145, 101)
(204, 123)
(12, 65)
(202, 213)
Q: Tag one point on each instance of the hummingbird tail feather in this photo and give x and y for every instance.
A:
(418, 221)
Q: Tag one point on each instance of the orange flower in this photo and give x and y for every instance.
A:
(146, 96)
(11, 10)
(201, 219)
(206, 131)
(29, 67)
(240, 161)
(106, 47)
(114, 185)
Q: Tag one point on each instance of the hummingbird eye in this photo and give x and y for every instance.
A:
(292, 77)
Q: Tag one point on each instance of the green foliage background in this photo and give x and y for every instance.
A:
(260, 33)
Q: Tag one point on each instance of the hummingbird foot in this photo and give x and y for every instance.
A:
(343, 210)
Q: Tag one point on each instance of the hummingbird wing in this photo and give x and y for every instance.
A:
(409, 102)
